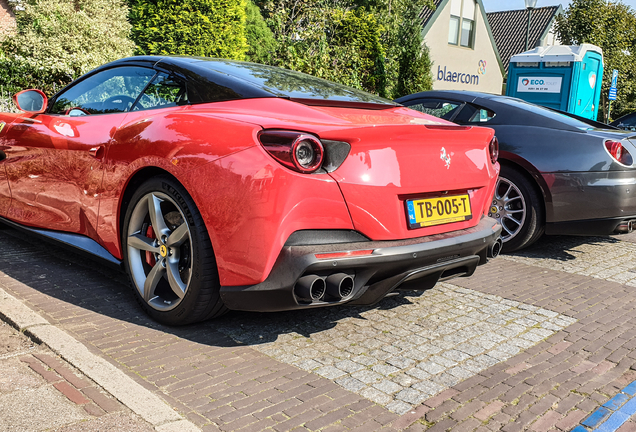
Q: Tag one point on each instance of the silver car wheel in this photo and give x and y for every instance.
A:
(159, 251)
(509, 208)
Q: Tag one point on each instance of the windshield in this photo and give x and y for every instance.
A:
(292, 84)
(546, 112)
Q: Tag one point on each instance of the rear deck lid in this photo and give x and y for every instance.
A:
(416, 180)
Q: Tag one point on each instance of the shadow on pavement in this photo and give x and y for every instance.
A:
(80, 281)
(558, 247)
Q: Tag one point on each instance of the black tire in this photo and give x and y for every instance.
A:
(519, 209)
(176, 263)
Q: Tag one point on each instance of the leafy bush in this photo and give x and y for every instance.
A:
(368, 44)
(260, 39)
(6, 103)
(413, 61)
(358, 30)
(328, 41)
(59, 40)
(211, 28)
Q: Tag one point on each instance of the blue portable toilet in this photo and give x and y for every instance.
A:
(563, 77)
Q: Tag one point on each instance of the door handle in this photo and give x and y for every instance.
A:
(96, 152)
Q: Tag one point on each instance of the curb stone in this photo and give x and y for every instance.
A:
(141, 401)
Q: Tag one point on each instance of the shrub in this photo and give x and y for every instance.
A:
(211, 28)
(413, 61)
(328, 40)
(6, 103)
(374, 45)
(360, 31)
(59, 40)
(260, 39)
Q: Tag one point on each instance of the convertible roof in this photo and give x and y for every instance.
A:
(221, 79)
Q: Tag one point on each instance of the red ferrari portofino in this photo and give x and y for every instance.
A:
(228, 185)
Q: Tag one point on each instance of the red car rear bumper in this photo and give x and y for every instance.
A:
(383, 267)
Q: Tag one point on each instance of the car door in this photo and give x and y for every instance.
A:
(164, 95)
(54, 163)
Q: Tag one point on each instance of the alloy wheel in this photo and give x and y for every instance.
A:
(159, 251)
(508, 207)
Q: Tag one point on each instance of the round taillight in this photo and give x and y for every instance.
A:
(618, 152)
(307, 153)
(493, 148)
(298, 151)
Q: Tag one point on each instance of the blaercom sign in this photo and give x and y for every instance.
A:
(457, 77)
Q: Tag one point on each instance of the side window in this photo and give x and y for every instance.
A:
(110, 91)
(474, 114)
(629, 123)
(436, 107)
(482, 115)
(164, 91)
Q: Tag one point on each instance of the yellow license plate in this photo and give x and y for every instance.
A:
(438, 211)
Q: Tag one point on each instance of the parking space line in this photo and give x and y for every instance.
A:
(613, 413)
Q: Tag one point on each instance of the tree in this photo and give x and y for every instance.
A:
(211, 28)
(408, 66)
(260, 39)
(414, 64)
(59, 40)
(611, 26)
(360, 43)
(328, 39)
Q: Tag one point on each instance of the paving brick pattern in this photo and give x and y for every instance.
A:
(413, 348)
(72, 384)
(224, 383)
(600, 257)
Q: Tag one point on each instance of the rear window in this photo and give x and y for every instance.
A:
(292, 84)
(436, 107)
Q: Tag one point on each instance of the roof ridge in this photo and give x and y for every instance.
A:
(555, 7)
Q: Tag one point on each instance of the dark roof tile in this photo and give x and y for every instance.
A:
(427, 13)
(509, 29)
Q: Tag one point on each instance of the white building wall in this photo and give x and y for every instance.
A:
(460, 68)
(551, 38)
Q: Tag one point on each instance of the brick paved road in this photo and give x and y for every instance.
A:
(529, 342)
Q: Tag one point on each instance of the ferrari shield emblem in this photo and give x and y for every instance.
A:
(2, 126)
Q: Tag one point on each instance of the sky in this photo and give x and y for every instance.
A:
(499, 5)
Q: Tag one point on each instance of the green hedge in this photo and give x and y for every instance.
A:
(211, 28)
(413, 61)
(359, 31)
(59, 40)
(260, 39)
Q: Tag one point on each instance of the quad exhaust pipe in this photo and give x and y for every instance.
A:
(313, 287)
(339, 285)
(310, 288)
(626, 227)
(495, 248)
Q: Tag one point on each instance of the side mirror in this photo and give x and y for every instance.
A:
(31, 101)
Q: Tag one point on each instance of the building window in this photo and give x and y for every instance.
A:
(468, 33)
(453, 30)
(461, 30)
